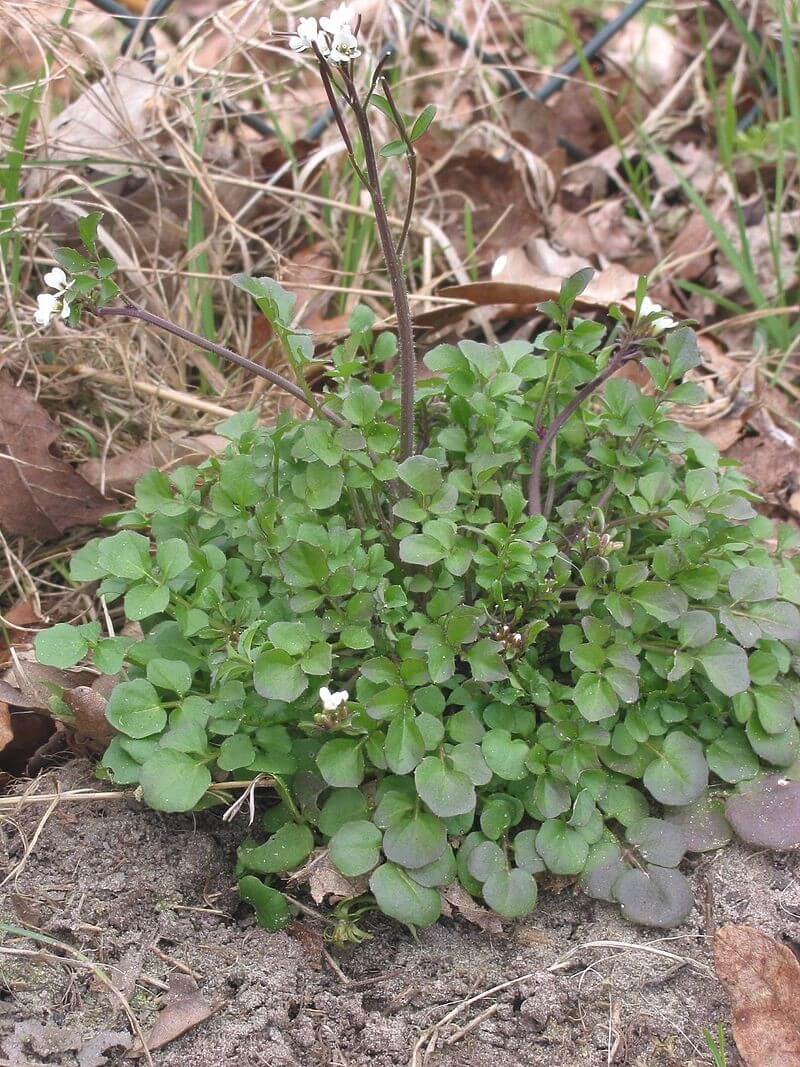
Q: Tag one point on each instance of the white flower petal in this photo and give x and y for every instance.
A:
(344, 47)
(65, 310)
(339, 19)
(56, 279)
(499, 265)
(307, 28)
(661, 322)
(47, 304)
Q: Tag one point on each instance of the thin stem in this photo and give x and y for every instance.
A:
(133, 311)
(541, 447)
(378, 73)
(411, 156)
(328, 83)
(405, 326)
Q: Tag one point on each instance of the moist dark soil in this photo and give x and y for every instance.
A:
(146, 898)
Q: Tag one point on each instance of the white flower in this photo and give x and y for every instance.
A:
(338, 20)
(306, 35)
(331, 701)
(48, 304)
(662, 322)
(57, 279)
(344, 46)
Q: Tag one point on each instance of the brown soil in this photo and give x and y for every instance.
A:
(115, 882)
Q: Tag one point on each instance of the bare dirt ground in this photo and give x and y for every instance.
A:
(135, 892)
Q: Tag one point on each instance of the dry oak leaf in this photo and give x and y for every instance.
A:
(41, 496)
(108, 122)
(325, 882)
(763, 980)
(495, 192)
(515, 280)
(120, 473)
(455, 896)
(185, 1009)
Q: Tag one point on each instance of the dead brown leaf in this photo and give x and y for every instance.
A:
(88, 708)
(515, 280)
(28, 684)
(325, 882)
(460, 899)
(731, 400)
(41, 496)
(184, 1010)
(692, 250)
(763, 979)
(120, 473)
(495, 193)
(108, 121)
(310, 266)
(17, 622)
(6, 730)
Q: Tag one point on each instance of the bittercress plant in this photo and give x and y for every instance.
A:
(555, 638)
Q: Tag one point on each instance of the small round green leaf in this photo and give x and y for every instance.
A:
(173, 781)
(766, 812)
(726, 666)
(172, 674)
(511, 894)
(235, 752)
(134, 708)
(703, 824)
(271, 907)
(505, 755)
(342, 806)
(288, 847)
(276, 676)
(441, 871)
(525, 854)
(341, 762)
(405, 745)
(679, 774)
(401, 898)
(657, 841)
(563, 849)
(421, 473)
(355, 848)
(60, 646)
(655, 896)
(415, 840)
(595, 697)
(446, 790)
(731, 758)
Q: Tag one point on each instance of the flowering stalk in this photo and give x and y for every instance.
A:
(405, 326)
(134, 311)
(334, 42)
(622, 356)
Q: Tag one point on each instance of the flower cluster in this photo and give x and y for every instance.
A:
(333, 37)
(58, 302)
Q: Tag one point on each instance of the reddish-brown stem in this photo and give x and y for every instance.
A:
(405, 326)
(411, 156)
(133, 311)
(541, 447)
